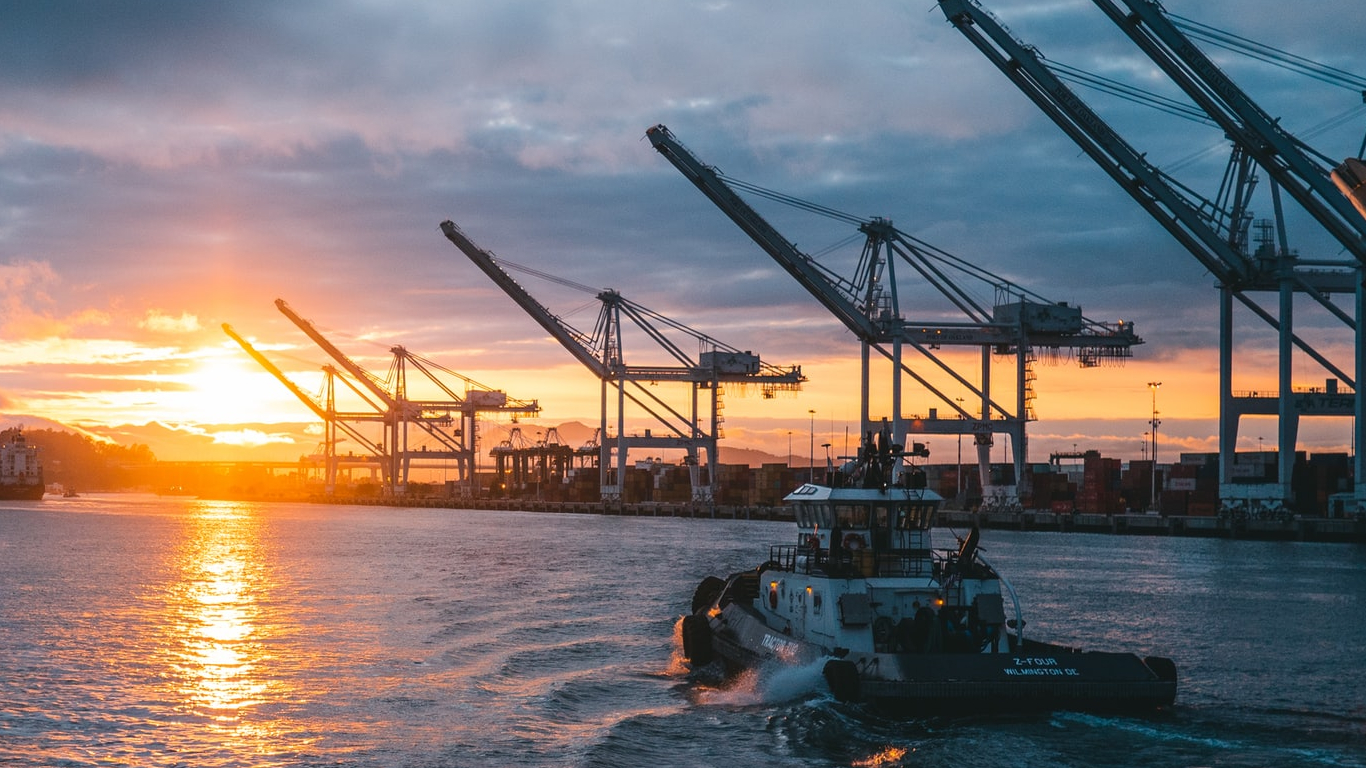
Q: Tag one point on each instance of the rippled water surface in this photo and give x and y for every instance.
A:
(145, 631)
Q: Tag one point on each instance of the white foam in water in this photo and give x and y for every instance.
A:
(772, 683)
(780, 683)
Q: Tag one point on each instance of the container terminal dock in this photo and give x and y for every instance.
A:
(1082, 492)
(1293, 528)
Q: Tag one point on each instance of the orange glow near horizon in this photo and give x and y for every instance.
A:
(208, 391)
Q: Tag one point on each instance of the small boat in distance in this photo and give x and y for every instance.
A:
(21, 473)
(896, 621)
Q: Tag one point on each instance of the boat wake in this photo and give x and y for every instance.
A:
(767, 685)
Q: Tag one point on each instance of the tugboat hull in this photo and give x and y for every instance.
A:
(1032, 676)
(862, 592)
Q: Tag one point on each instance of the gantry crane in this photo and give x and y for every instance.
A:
(446, 428)
(325, 407)
(1215, 232)
(1307, 175)
(435, 417)
(603, 354)
(523, 463)
(1019, 323)
(1296, 167)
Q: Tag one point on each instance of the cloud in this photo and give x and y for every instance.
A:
(156, 320)
(166, 167)
(250, 438)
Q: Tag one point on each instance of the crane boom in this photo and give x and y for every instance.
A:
(799, 265)
(273, 370)
(363, 376)
(1148, 186)
(860, 303)
(1271, 146)
(722, 363)
(578, 344)
(304, 397)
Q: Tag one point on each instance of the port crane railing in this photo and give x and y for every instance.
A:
(868, 304)
(1215, 232)
(602, 353)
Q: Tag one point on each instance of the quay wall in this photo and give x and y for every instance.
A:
(1288, 529)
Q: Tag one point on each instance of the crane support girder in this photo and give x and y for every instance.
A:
(1004, 335)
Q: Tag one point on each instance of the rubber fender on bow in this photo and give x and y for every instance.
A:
(697, 640)
(706, 592)
(842, 677)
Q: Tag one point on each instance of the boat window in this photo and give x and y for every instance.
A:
(882, 528)
(803, 515)
(880, 515)
(916, 517)
(823, 517)
(851, 516)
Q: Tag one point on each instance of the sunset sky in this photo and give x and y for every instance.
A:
(167, 167)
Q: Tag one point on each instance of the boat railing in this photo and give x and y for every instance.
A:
(864, 563)
(783, 557)
(1014, 598)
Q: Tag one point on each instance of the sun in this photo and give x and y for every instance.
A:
(220, 389)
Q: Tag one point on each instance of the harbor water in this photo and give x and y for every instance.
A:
(145, 631)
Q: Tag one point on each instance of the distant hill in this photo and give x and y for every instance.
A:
(16, 421)
(75, 460)
(730, 455)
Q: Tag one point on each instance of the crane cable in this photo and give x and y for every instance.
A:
(923, 250)
(1130, 93)
(1275, 56)
(1236, 44)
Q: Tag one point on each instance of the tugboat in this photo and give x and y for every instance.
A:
(896, 621)
(21, 474)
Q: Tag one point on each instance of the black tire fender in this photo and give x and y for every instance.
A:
(842, 678)
(707, 592)
(697, 640)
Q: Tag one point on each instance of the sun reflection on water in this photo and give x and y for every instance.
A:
(218, 613)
